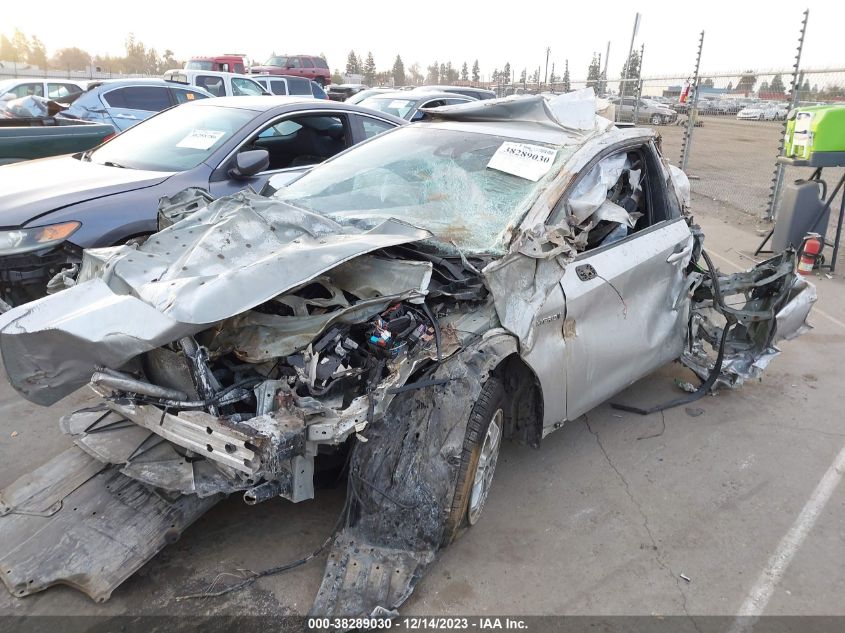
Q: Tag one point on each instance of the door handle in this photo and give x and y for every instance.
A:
(679, 255)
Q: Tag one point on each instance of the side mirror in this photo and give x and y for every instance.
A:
(249, 163)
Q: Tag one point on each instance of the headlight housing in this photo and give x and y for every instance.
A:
(15, 241)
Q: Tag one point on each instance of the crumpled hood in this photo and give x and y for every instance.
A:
(33, 188)
(228, 257)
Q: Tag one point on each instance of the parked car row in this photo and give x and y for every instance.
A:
(53, 208)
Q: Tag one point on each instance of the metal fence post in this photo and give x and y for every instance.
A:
(777, 178)
(692, 112)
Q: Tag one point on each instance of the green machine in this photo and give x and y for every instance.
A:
(815, 137)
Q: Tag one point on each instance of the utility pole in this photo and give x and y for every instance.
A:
(628, 60)
(546, 80)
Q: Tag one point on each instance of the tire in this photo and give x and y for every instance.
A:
(656, 119)
(483, 437)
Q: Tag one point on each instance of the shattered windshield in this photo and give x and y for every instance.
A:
(464, 187)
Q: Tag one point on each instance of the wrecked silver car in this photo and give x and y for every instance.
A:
(410, 304)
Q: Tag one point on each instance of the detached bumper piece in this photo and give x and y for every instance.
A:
(359, 575)
(78, 522)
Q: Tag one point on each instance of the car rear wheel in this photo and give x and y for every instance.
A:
(656, 119)
(479, 456)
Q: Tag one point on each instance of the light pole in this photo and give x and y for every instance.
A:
(546, 80)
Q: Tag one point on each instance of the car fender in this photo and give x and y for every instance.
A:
(113, 219)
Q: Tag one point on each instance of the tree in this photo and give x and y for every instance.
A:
(566, 85)
(71, 59)
(708, 83)
(399, 72)
(552, 78)
(443, 77)
(416, 77)
(369, 69)
(37, 54)
(7, 50)
(764, 87)
(730, 86)
(506, 73)
(451, 73)
(168, 60)
(476, 74)
(747, 82)
(464, 72)
(495, 76)
(21, 45)
(522, 76)
(337, 78)
(777, 84)
(535, 78)
(631, 71)
(594, 72)
(433, 76)
(352, 65)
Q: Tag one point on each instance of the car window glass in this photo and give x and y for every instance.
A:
(299, 86)
(57, 91)
(224, 67)
(212, 84)
(440, 180)
(278, 87)
(239, 68)
(182, 95)
(147, 98)
(454, 101)
(306, 62)
(25, 90)
(199, 65)
(175, 140)
(612, 199)
(242, 87)
(277, 61)
(372, 127)
(302, 140)
(319, 62)
(293, 62)
(396, 107)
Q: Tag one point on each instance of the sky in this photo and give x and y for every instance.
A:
(738, 35)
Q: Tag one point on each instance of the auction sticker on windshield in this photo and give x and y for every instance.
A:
(200, 139)
(531, 162)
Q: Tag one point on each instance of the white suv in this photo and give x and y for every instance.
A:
(218, 83)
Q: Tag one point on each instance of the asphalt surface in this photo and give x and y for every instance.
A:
(603, 519)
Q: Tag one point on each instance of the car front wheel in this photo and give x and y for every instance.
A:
(656, 119)
(479, 456)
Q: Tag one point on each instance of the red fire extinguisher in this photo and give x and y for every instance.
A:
(684, 94)
(810, 250)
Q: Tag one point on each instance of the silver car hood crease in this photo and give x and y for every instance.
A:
(228, 257)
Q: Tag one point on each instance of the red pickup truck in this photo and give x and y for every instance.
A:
(310, 66)
(229, 63)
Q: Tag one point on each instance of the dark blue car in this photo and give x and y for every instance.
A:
(51, 209)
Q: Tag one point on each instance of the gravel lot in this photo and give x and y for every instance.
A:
(602, 519)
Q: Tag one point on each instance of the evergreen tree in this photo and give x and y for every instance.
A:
(631, 71)
(522, 76)
(476, 73)
(777, 84)
(566, 85)
(369, 69)
(464, 72)
(506, 73)
(352, 65)
(594, 72)
(398, 72)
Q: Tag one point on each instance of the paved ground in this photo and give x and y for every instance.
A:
(602, 519)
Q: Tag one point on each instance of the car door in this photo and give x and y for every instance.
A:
(626, 304)
(295, 142)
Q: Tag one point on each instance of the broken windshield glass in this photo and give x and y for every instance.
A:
(465, 188)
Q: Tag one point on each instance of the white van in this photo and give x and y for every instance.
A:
(218, 83)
